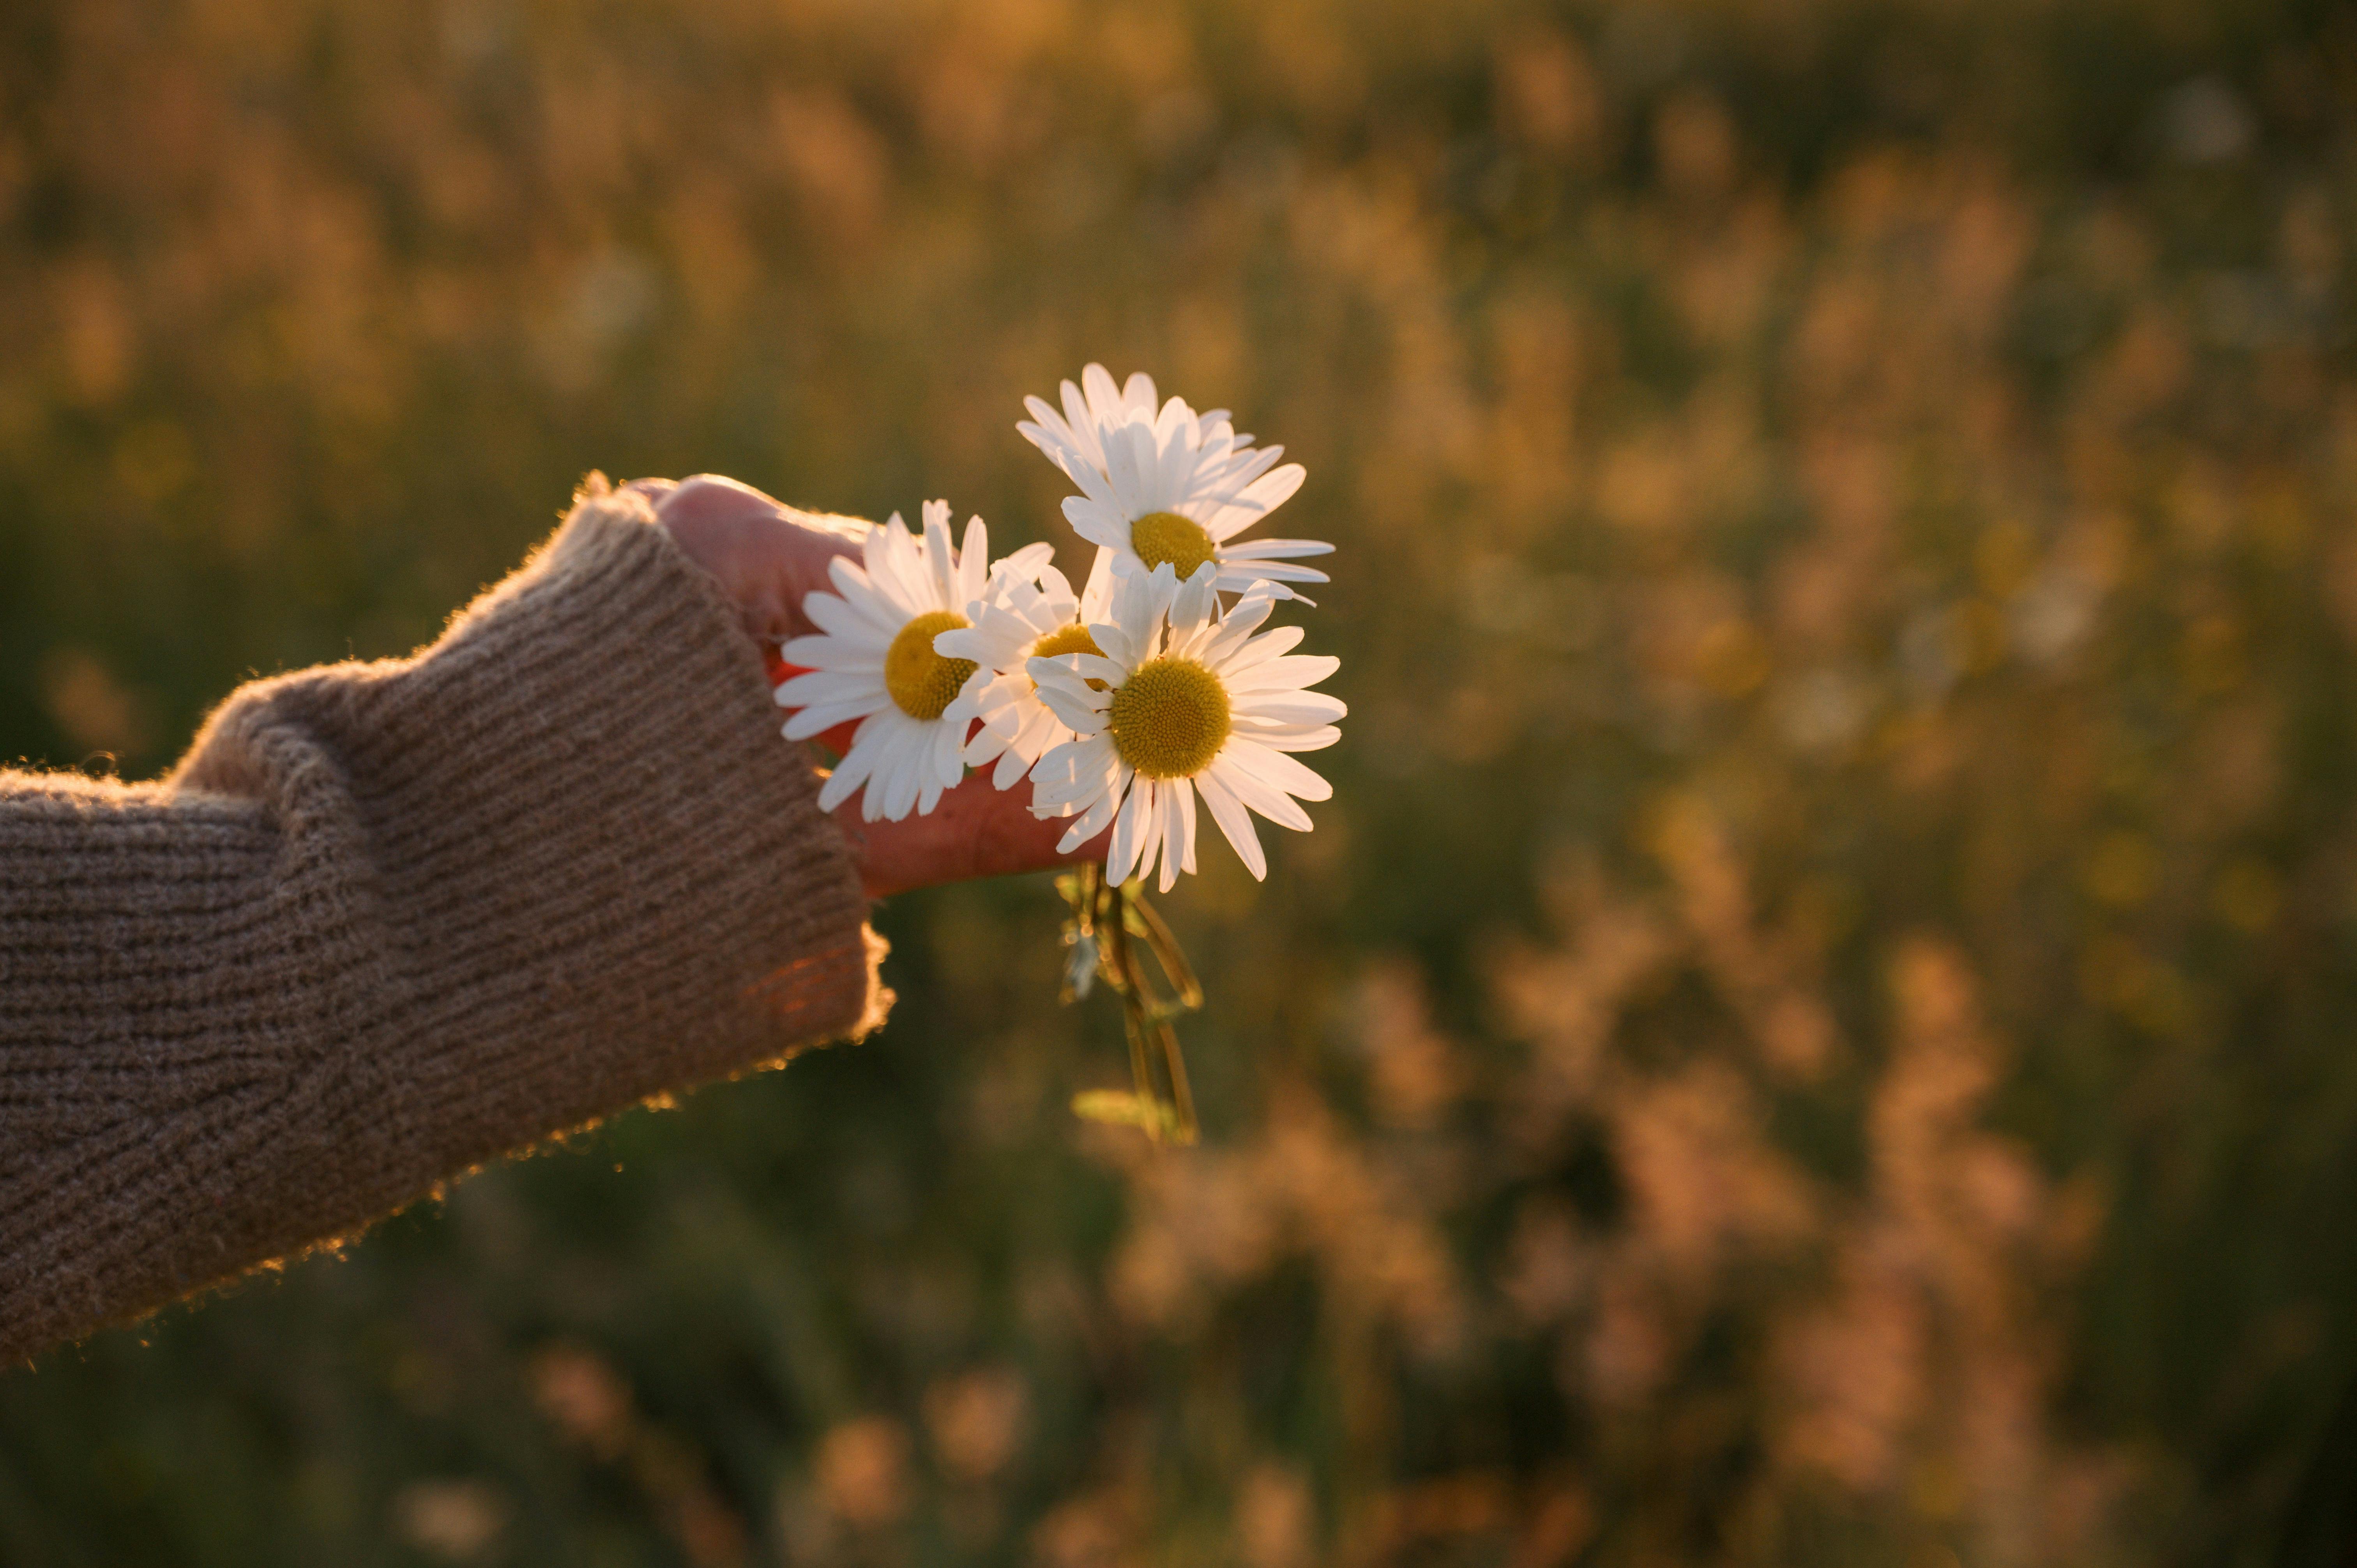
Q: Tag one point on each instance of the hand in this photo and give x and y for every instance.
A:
(977, 829)
(766, 556)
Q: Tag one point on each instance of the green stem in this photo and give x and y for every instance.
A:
(1116, 918)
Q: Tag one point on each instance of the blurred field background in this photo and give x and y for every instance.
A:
(1821, 1025)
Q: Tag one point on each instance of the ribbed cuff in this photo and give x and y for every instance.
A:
(611, 860)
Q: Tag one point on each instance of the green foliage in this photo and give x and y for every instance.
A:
(1817, 1025)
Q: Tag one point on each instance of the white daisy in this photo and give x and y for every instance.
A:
(1182, 700)
(874, 662)
(1040, 616)
(1167, 486)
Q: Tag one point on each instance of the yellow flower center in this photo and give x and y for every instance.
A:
(1064, 639)
(1161, 536)
(1169, 718)
(919, 680)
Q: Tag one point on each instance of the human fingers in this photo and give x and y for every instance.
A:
(977, 829)
(766, 556)
(715, 493)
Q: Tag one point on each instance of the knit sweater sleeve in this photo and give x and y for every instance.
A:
(387, 921)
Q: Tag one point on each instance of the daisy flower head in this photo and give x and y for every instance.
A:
(1168, 487)
(873, 661)
(1182, 700)
(1025, 617)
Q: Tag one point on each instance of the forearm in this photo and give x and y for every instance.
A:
(389, 921)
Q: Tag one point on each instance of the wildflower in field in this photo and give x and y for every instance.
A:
(1166, 486)
(1181, 700)
(873, 661)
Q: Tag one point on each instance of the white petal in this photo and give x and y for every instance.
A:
(1251, 576)
(878, 766)
(1263, 496)
(1139, 603)
(1316, 739)
(1166, 831)
(1160, 847)
(988, 743)
(888, 608)
(905, 779)
(829, 686)
(940, 561)
(1191, 605)
(1005, 700)
(838, 788)
(949, 740)
(1086, 422)
(882, 551)
(1277, 770)
(1075, 772)
(1041, 729)
(1025, 565)
(1289, 673)
(1062, 671)
(1105, 398)
(1097, 593)
(1260, 649)
(1054, 798)
(856, 767)
(1004, 633)
(1128, 828)
(1050, 434)
(1073, 710)
(805, 722)
(1098, 523)
(838, 619)
(1055, 589)
(909, 572)
(1150, 792)
(1289, 707)
(1185, 827)
(1243, 617)
(1107, 634)
(973, 564)
(1260, 794)
(1274, 549)
(1271, 572)
(1129, 458)
(966, 642)
(1229, 812)
(1090, 822)
(830, 653)
(1246, 463)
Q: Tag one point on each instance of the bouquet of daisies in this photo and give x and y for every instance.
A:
(1155, 693)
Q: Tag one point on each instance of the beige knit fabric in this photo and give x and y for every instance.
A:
(387, 921)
